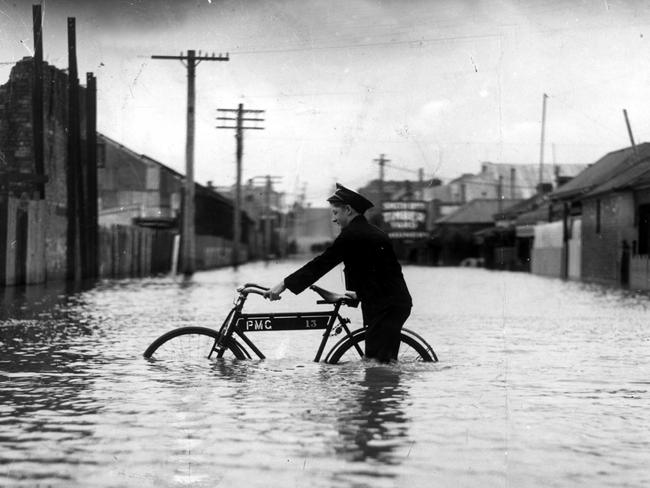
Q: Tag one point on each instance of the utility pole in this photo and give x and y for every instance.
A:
(500, 193)
(91, 177)
(541, 147)
(266, 214)
(37, 99)
(381, 162)
(299, 214)
(74, 261)
(191, 61)
(421, 183)
(239, 120)
(629, 132)
(267, 220)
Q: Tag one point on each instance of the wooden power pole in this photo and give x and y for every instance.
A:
(239, 121)
(266, 215)
(541, 147)
(188, 249)
(37, 99)
(74, 262)
(629, 132)
(381, 162)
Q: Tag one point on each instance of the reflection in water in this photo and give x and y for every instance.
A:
(372, 426)
(44, 336)
(544, 383)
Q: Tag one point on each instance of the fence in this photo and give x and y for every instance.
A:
(546, 257)
(126, 251)
(216, 252)
(640, 272)
(33, 246)
(24, 227)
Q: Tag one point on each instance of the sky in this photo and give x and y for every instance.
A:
(440, 85)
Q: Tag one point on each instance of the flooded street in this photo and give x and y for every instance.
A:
(540, 383)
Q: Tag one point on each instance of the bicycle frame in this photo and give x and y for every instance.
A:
(239, 323)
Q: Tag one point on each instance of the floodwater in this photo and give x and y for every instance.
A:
(540, 383)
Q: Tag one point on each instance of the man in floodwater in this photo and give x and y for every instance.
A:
(372, 273)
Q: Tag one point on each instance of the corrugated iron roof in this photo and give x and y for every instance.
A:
(625, 179)
(534, 216)
(603, 170)
(479, 211)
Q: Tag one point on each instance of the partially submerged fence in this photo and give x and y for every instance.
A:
(32, 240)
(33, 246)
(127, 251)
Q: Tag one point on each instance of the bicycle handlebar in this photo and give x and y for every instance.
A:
(252, 288)
(255, 285)
(328, 297)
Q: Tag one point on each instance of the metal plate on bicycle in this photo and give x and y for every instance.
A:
(270, 322)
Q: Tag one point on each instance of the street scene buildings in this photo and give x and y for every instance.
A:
(76, 204)
(165, 168)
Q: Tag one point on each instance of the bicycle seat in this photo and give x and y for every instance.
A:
(331, 297)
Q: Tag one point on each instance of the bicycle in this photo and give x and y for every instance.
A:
(203, 342)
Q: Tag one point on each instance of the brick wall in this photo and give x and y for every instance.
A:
(16, 122)
(16, 148)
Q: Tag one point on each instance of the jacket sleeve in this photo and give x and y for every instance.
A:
(317, 267)
(349, 280)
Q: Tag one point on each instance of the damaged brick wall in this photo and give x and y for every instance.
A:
(17, 154)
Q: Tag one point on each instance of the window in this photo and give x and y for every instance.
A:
(101, 154)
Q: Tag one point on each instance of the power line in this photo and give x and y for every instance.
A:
(190, 61)
(239, 120)
(415, 42)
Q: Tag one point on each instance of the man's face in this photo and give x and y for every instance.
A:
(341, 215)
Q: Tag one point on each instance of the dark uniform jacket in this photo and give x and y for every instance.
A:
(371, 268)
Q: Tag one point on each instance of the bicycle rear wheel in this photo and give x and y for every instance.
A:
(413, 348)
(193, 344)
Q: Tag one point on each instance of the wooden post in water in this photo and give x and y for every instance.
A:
(37, 100)
(73, 258)
(92, 224)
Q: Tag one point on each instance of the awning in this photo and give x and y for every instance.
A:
(525, 231)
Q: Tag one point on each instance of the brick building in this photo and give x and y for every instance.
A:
(19, 168)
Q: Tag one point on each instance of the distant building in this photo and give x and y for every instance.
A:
(265, 206)
(504, 180)
(134, 188)
(312, 229)
(453, 237)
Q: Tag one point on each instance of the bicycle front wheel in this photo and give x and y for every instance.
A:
(413, 348)
(193, 344)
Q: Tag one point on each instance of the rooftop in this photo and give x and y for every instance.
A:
(479, 211)
(606, 169)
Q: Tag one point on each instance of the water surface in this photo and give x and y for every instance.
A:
(540, 383)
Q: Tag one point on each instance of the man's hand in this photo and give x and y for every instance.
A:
(275, 292)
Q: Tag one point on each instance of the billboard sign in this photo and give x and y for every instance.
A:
(405, 220)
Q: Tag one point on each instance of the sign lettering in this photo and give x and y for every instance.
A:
(254, 322)
(405, 220)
